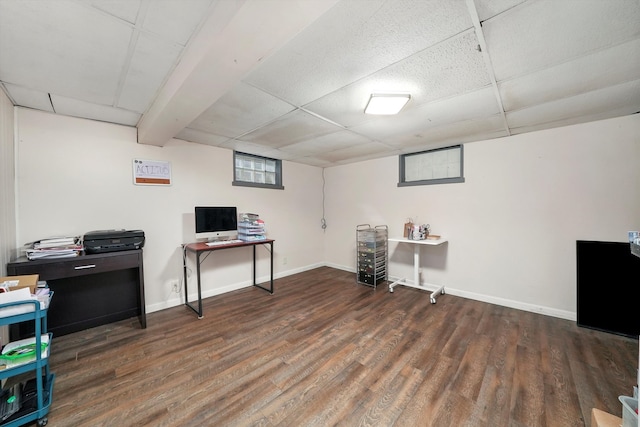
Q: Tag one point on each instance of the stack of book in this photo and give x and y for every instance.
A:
(56, 247)
(250, 227)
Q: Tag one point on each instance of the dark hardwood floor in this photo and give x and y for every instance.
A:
(323, 351)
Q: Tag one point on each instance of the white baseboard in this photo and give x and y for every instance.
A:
(179, 300)
(547, 311)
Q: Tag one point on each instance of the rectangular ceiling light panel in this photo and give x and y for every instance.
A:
(386, 103)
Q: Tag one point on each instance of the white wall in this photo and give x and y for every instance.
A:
(7, 192)
(513, 224)
(75, 175)
(7, 183)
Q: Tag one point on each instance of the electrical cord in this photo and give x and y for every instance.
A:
(323, 221)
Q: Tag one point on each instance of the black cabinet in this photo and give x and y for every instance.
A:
(608, 289)
(91, 290)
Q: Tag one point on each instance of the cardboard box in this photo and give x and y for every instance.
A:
(604, 419)
(29, 280)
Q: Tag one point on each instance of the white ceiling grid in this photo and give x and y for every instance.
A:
(289, 79)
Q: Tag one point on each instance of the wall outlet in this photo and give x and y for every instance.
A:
(174, 287)
(284, 260)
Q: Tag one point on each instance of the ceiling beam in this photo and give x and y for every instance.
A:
(236, 37)
(487, 61)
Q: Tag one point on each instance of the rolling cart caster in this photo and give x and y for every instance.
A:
(432, 298)
(43, 422)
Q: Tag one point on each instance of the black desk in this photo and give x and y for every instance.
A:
(91, 290)
(201, 248)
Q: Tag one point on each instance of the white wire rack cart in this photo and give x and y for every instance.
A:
(372, 254)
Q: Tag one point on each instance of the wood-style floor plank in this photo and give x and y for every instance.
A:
(326, 351)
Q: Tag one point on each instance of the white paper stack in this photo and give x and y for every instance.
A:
(55, 247)
(22, 294)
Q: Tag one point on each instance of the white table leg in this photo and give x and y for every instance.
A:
(416, 277)
(416, 265)
(440, 290)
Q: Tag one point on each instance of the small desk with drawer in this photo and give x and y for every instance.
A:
(91, 290)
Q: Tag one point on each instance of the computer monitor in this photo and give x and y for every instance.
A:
(216, 222)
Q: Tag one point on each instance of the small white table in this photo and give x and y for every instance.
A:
(416, 266)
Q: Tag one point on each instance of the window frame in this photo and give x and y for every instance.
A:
(237, 155)
(402, 182)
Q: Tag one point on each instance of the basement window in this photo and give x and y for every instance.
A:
(250, 170)
(439, 166)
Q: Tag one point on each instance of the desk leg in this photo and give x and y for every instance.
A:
(416, 274)
(416, 277)
(143, 310)
(416, 265)
(186, 290)
(184, 273)
(200, 315)
(254, 264)
(416, 271)
(270, 289)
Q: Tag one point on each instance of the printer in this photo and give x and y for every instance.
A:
(101, 241)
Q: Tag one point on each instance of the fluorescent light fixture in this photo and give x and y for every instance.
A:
(386, 103)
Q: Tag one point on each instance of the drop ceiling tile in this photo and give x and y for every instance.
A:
(87, 110)
(175, 20)
(479, 103)
(62, 47)
(453, 133)
(353, 40)
(607, 67)
(30, 98)
(368, 150)
(312, 161)
(432, 144)
(294, 127)
(275, 153)
(538, 34)
(466, 106)
(330, 142)
(554, 60)
(243, 109)
(449, 68)
(489, 8)
(194, 135)
(248, 147)
(123, 9)
(608, 114)
(152, 61)
(598, 101)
